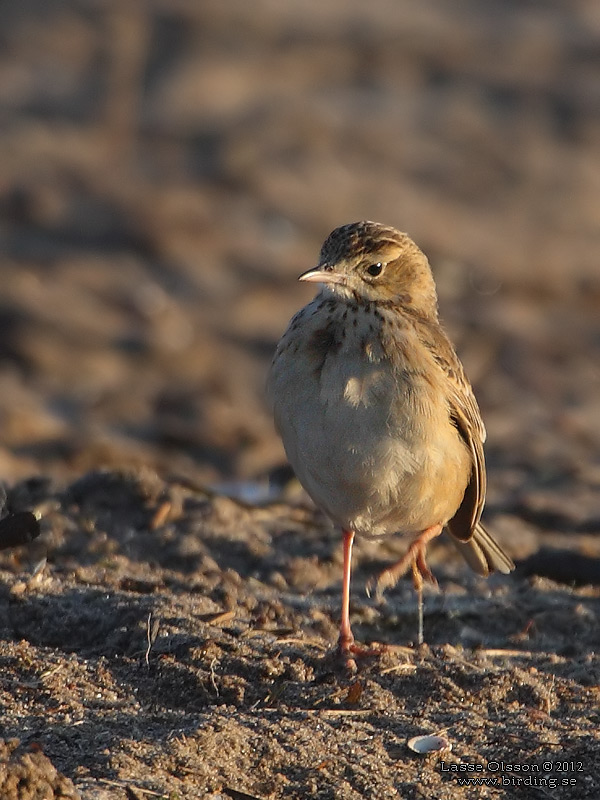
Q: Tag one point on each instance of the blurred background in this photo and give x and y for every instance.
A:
(168, 168)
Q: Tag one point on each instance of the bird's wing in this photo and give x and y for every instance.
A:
(465, 414)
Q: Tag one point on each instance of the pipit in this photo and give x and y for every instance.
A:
(377, 417)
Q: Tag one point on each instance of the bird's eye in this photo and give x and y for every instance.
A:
(375, 269)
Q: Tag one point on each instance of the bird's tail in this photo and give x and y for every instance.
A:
(483, 553)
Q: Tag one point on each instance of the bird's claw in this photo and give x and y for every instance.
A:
(349, 651)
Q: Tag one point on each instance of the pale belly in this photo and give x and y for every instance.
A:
(373, 446)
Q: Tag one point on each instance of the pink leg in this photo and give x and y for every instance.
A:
(346, 639)
(346, 644)
(415, 559)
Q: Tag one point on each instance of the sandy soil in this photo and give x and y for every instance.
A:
(167, 170)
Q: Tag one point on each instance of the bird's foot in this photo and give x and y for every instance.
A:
(414, 559)
(348, 650)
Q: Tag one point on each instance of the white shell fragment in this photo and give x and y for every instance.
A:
(429, 744)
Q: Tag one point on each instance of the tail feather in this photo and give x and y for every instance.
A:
(483, 553)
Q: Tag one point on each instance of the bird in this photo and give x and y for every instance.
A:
(377, 417)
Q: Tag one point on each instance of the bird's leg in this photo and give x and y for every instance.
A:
(346, 644)
(414, 559)
(346, 639)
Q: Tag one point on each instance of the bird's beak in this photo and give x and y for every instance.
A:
(323, 274)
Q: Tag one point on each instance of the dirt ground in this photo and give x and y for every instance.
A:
(167, 169)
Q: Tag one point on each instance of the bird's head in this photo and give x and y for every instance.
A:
(375, 263)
